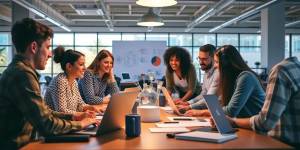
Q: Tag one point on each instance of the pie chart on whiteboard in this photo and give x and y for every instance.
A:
(156, 61)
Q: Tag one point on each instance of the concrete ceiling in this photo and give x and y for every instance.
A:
(126, 13)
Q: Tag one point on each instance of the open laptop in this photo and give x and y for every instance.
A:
(170, 101)
(226, 132)
(126, 78)
(113, 119)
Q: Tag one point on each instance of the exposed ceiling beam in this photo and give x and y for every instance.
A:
(180, 10)
(219, 6)
(106, 16)
(129, 9)
(5, 13)
(197, 12)
(244, 15)
(248, 8)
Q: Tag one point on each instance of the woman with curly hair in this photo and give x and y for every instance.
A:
(181, 74)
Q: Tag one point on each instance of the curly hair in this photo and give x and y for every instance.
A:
(182, 55)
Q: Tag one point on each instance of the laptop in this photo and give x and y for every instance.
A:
(113, 119)
(171, 102)
(226, 132)
(126, 78)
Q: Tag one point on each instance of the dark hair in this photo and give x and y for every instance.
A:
(27, 31)
(208, 48)
(94, 67)
(63, 57)
(231, 64)
(183, 56)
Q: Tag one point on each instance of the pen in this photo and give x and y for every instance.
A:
(171, 122)
(189, 119)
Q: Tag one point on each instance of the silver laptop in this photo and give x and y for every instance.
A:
(171, 102)
(113, 119)
(218, 115)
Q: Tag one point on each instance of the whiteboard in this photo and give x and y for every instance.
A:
(139, 57)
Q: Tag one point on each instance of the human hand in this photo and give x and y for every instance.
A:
(91, 108)
(183, 107)
(78, 116)
(112, 75)
(88, 121)
(177, 101)
(106, 99)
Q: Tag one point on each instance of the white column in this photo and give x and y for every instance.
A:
(272, 35)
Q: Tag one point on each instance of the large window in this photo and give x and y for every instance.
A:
(227, 39)
(5, 51)
(181, 40)
(296, 45)
(250, 48)
(90, 44)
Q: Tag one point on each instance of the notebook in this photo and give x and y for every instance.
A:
(225, 130)
(113, 119)
(171, 102)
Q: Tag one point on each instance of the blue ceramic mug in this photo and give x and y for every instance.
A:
(133, 125)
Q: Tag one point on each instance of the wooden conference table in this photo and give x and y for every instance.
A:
(117, 140)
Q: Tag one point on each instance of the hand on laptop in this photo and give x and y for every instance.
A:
(78, 116)
(91, 108)
(183, 107)
(177, 101)
(180, 102)
(88, 121)
(193, 112)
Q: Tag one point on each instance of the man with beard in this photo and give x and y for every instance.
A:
(210, 80)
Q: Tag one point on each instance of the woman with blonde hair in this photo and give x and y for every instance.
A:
(99, 81)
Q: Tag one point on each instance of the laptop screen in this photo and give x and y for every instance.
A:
(125, 76)
(218, 114)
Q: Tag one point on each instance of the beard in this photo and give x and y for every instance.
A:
(206, 67)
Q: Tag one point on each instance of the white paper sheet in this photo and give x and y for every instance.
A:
(183, 124)
(168, 130)
(167, 108)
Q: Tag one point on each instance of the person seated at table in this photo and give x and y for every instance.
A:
(180, 74)
(24, 113)
(99, 81)
(63, 94)
(210, 80)
(241, 91)
(279, 116)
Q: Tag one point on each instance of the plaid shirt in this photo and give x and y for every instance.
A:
(22, 109)
(280, 115)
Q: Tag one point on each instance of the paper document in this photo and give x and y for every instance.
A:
(167, 108)
(168, 130)
(206, 136)
(183, 124)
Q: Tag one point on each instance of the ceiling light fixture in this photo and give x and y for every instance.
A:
(243, 16)
(38, 12)
(156, 3)
(150, 19)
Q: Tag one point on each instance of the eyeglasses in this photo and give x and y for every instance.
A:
(202, 59)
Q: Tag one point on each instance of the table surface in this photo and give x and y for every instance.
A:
(117, 140)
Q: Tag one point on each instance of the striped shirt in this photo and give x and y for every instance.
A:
(280, 115)
(62, 97)
(23, 110)
(93, 89)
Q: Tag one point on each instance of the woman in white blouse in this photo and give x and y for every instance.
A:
(62, 94)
